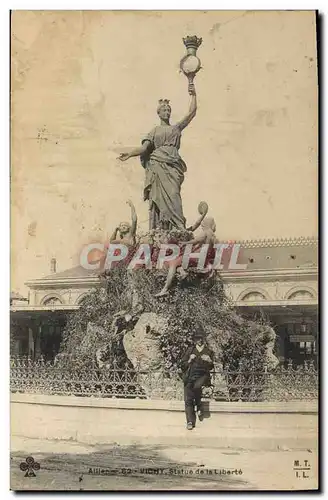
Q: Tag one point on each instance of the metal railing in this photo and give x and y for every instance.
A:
(240, 384)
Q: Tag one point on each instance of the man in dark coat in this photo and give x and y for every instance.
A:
(196, 365)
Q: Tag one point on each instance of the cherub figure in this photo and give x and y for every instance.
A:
(206, 237)
(126, 231)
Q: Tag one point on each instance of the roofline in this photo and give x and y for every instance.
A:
(277, 242)
(52, 308)
(268, 274)
(230, 275)
(43, 282)
(240, 303)
(276, 303)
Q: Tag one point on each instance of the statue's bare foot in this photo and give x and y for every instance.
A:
(161, 293)
(183, 274)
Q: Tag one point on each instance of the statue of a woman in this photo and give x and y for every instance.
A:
(159, 154)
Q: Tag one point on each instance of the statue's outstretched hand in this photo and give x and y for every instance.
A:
(124, 156)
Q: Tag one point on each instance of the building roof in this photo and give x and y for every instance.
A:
(302, 241)
(73, 272)
(272, 257)
(270, 254)
(16, 296)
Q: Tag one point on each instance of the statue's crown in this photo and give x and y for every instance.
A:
(192, 42)
(161, 102)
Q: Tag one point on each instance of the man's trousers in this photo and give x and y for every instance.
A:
(193, 396)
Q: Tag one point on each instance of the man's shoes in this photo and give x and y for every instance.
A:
(200, 414)
(190, 426)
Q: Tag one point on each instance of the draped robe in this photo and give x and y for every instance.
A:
(164, 176)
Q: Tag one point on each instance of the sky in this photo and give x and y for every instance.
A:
(85, 85)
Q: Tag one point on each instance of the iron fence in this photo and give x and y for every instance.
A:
(238, 384)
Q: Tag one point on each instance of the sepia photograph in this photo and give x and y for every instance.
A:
(164, 288)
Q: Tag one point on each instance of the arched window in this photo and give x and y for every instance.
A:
(253, 297)
(52, 301)
(80, 298)
(300, 294)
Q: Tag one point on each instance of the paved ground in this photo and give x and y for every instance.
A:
(92, 425)
(68, 465)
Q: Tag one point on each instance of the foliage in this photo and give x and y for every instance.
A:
(246, 345)
(97, 308)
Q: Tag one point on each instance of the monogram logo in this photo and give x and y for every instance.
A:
(29, 466)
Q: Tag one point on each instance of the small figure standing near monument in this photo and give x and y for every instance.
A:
(196, 365)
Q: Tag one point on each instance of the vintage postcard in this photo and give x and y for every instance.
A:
(164, 270)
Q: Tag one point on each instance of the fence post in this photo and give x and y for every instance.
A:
(266, 384)
(137, 376)
(240, 381)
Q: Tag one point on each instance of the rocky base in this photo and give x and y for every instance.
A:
(125, 321)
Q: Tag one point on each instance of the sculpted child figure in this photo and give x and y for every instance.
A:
(124, 234)
(126, 231)
(206, 237)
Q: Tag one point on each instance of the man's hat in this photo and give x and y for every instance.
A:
(199, 334)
